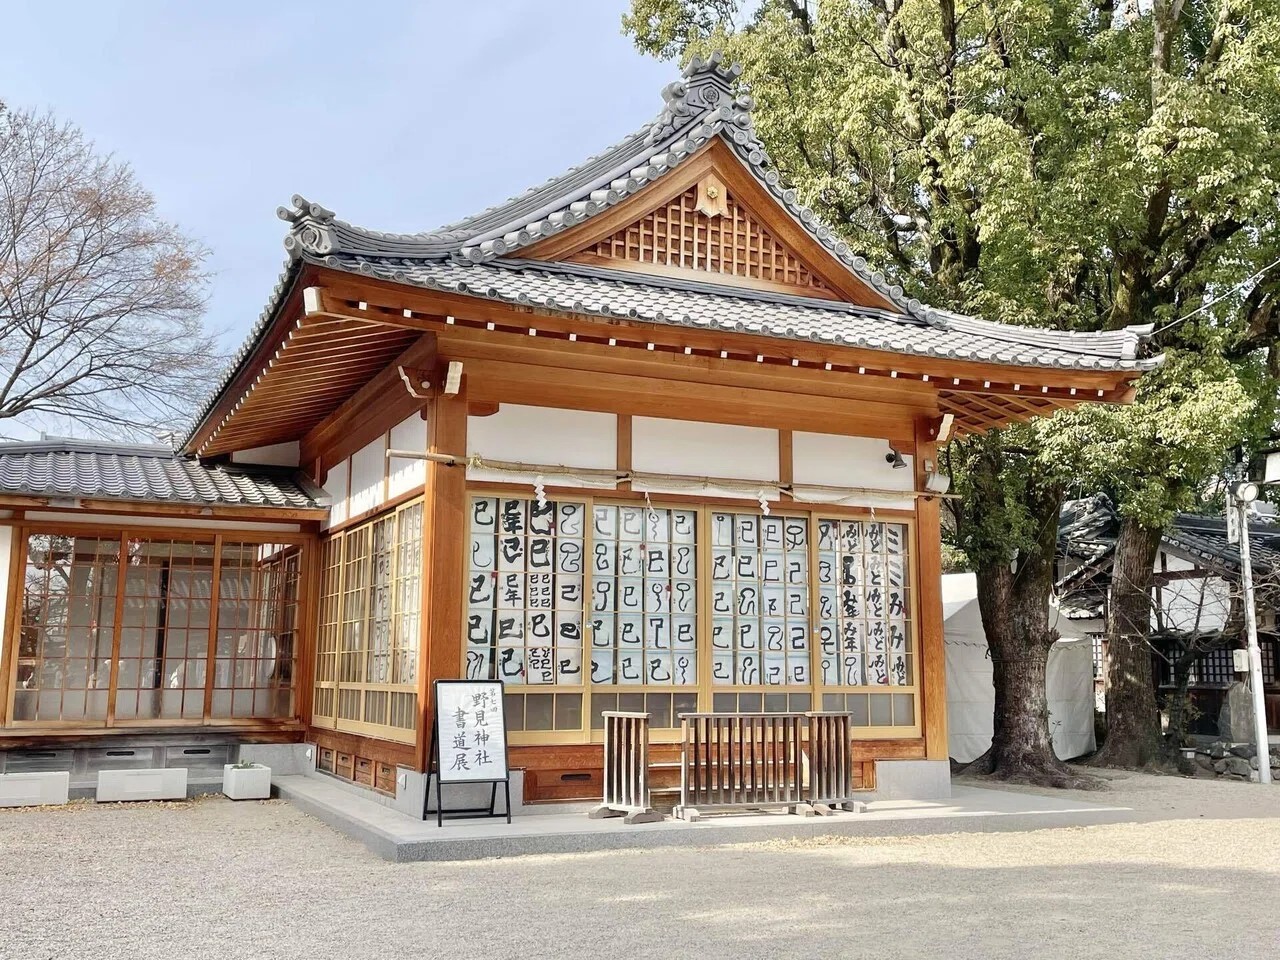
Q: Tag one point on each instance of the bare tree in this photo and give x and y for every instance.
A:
(101, 301)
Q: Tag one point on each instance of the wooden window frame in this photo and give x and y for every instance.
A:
(122, 535)
(336, 685)
(705, 690)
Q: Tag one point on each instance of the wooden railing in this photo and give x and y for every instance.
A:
(800, 762)
(830, 761)
(626, 769)
(740, 760)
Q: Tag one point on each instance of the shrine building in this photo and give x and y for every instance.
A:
(647, 437)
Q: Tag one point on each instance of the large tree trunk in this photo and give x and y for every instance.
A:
(1014, 602)
(1133, 722)
(1177, 707)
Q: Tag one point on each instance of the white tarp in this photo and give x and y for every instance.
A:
(971, 698)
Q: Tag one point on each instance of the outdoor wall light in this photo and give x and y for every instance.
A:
(895, 458)
(1244, 491)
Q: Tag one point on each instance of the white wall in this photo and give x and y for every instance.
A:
(545, 436)
(368, 477)
(837, 461)
(405, 474)
(276, 455)
(693, 449)
(336, 485)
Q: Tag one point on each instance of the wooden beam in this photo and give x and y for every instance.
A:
(623, 459)
(931, 656)
(444, 542)
(615, 393)
(375, 408)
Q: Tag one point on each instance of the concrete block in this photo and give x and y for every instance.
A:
(285, 759)
(34, 789)
(154, 784)
(911, 780)
(411, 786)
(246, 783)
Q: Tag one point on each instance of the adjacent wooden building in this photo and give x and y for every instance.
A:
(648, 436)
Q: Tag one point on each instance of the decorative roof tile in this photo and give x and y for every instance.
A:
(154, 474)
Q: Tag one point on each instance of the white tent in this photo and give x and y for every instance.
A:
(971, 698)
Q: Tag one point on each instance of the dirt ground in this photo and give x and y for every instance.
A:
(1198, 875)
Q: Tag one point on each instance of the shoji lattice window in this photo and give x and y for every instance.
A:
(67, 628)
(164, 630)
(369, 631)
(733, 243)
(759, 600)
(257, 630)
(525, 592)
(643, 617)
(126, 629)
(864, 629)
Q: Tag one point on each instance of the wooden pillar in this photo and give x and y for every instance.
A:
(928, 547)
(444, 529)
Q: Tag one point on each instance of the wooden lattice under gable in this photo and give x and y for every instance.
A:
(707, 229)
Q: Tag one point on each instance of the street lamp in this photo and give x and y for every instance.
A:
(1243, 493)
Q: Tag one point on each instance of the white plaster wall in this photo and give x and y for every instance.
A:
(686, 448)
(404, 474)
(276, 455)
(336, 485)
(368, 471)
(830, 460)
(1186, 608)
(545, 436)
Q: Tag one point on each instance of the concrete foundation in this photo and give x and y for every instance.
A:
(566, 828)
(910, 780)
(284, 759)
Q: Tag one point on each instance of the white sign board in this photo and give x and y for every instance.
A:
(472, 731)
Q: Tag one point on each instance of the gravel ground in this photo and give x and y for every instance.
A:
(1199, 877)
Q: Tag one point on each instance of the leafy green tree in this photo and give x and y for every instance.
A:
(1079, 165)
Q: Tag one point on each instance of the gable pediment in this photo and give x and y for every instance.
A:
(710, 220)
(706, 229)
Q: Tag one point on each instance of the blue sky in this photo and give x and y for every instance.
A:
(398, 116)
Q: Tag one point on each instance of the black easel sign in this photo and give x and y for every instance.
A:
(468, 745)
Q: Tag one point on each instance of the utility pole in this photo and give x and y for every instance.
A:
(1242, 494)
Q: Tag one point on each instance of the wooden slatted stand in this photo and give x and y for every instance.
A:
(626, 769)
(741, 761)
(831, 763)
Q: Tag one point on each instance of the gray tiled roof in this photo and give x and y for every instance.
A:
(697, 109)
(155, 474)
(1205, 538)
(1087, 530)
(597, 291)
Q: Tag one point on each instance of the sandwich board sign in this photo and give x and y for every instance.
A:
(468, 745)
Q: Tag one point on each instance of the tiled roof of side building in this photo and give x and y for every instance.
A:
(154, 474)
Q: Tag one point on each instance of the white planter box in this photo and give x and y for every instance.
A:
(167, 783)
(34, 789)
(246, 783)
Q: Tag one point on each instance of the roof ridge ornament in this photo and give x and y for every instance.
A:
(312, 227)
(707, 85)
